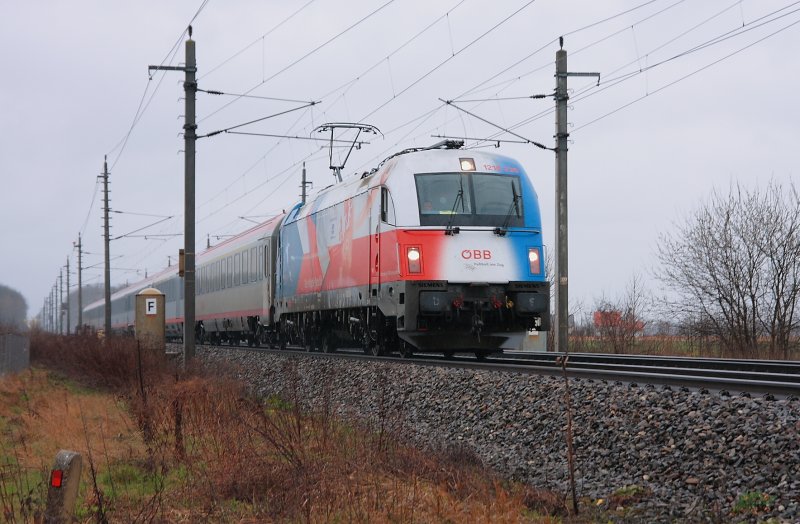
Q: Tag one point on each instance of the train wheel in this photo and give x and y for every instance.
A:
(405, 349)
(480, 355)
(377, 349)
(449, 354)
(327, 344)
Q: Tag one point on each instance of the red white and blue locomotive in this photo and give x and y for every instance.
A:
(437, 249)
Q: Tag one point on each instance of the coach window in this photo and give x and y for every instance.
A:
(214, 276)
(245, 267)
(237, 268)
(253, 264)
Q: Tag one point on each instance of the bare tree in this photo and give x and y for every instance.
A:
(779, 244)
(734, 264)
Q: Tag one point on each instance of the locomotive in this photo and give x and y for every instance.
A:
(437, 249)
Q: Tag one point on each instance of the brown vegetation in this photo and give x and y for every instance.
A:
(168, 445)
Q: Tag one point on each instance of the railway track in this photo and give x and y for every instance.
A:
(750, 377)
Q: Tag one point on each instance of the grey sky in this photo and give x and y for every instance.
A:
(75, 72)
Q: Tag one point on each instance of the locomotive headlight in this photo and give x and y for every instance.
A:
(534, 260)
(414, 256)
(467, 164)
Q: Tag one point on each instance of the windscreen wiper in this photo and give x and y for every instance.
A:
(450, 230)
(501, 231)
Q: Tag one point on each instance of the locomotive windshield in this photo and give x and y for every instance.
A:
(469, 199)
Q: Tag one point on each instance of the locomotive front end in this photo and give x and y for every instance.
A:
(473, 272)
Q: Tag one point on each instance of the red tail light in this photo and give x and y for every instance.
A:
(56, 478)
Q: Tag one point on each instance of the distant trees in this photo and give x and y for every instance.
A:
(618, 321)
(734, 266)
(13, 309)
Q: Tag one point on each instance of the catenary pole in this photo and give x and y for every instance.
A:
(562, 251)
(562, 229)
(60, 301)
(80, 283)
(68, 318)
(107, 241)
(303, 185)
(190, 137)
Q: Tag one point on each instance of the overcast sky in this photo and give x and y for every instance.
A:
(74, 78)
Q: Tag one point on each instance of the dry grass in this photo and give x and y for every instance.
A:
(181, 447)
(661, 345)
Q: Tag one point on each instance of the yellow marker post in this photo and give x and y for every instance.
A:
(151, 319)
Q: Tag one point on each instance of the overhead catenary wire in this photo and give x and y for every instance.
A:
(727, 35)
(428, 114)
(142, 107)
(475, 88)
(297, 61)
(259, 39)
(689, 75)
(611, 82)
(302, 58)
(220, 93)
(504, 130)
(237, 126)
(142, 228)
(412, 39)
(547, 45)
(394, 52)
(448, 59)
(139, 214)
(293, 137)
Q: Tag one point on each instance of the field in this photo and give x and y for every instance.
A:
(166, 446)
(677, 346)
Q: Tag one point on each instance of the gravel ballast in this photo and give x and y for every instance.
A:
(690, 455)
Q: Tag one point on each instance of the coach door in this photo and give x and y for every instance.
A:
(374, 242)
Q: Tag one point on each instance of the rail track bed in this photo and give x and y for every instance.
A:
(770, 378)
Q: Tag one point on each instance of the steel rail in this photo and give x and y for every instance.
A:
(770, 378)
(781, 366)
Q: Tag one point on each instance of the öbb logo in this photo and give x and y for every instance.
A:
(476, 254)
